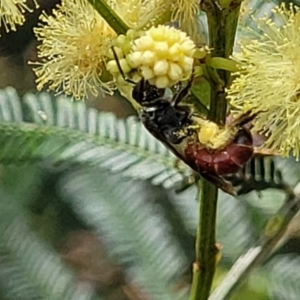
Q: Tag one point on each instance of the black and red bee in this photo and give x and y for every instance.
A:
(174, 126)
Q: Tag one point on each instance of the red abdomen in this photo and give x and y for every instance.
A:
(224, 161)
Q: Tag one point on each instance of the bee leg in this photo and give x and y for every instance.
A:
(183, 92)
(263, 151)
(225, 186)
(244, 119)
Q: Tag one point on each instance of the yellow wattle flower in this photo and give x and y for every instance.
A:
(73, 50)
(75, 45)
(268, 81)
(12, 13)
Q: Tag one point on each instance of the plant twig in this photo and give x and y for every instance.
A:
(206, 250)
(114, 21)
(222, 26)
(246, 263)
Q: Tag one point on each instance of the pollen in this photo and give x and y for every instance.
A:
(164, 52)
(73, 50)
(268, 80)
(212, 136)
(12, 13)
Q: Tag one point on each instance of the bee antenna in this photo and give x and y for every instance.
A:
(120, 68)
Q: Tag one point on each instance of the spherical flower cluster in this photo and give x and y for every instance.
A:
(73, 48)
(12, 13)
(163, 55)
(122, 47)
(268, 81)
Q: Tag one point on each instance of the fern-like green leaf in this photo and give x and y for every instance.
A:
(28, 268)
(284, 276)
(59, 131)
(260, 173)
(133, 227)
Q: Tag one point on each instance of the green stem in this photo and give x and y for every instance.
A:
(114, 21)
(206, 250)
(222, 23)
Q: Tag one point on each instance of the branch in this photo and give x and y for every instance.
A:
(113, 20)
(222, 23)
(256, 255)
(206, 250)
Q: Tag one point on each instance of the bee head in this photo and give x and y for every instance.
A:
(147, 94)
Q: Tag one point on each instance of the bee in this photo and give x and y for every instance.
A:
(181, 131)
